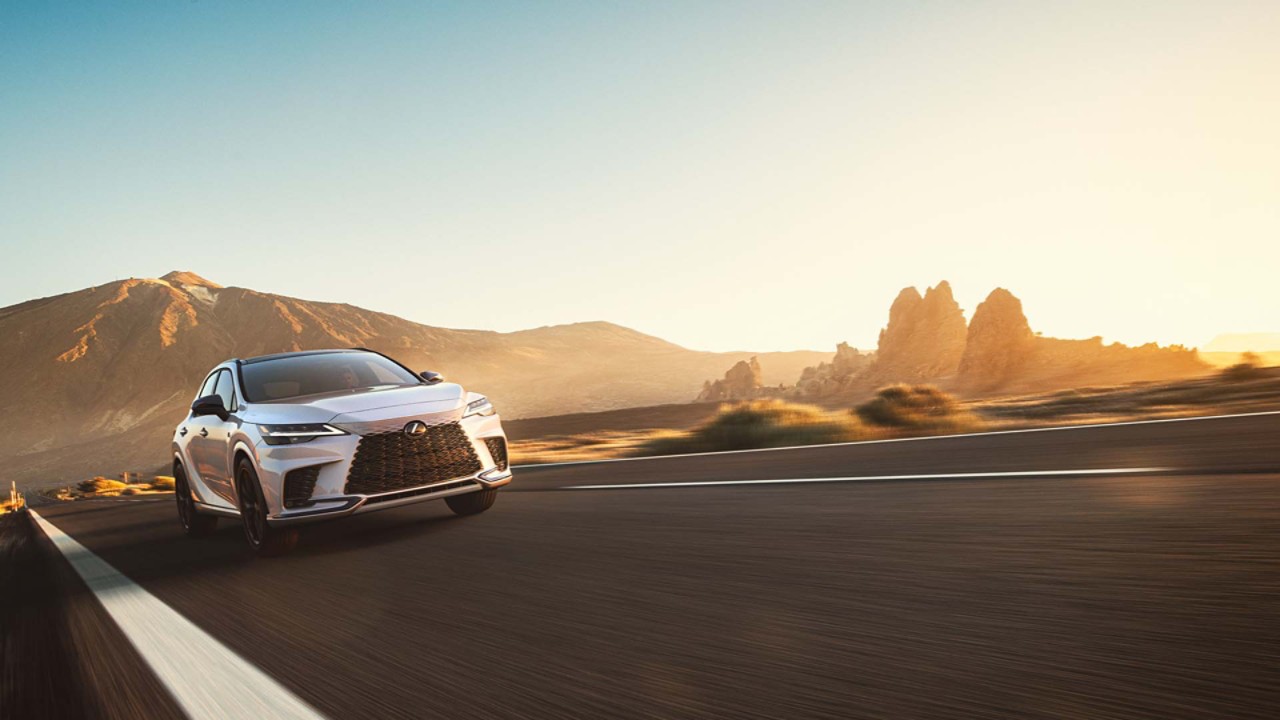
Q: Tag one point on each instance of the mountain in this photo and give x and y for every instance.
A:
(96, 379)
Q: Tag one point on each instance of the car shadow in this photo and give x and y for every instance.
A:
(154, 552)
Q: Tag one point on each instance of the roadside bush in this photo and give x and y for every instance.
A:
(757, 424)
(162, 482)
(101, 485)
(915, 407)
(1249, 368)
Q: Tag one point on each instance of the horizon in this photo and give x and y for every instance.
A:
(1230, 342)
(717, 177)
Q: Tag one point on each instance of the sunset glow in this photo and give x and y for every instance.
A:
(749, 176)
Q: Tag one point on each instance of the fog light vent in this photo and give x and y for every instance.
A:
(298, 486)
(498, 449)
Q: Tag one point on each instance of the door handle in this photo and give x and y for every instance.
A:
(183, 432)
(204, 432)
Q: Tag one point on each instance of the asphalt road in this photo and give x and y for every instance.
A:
(1108, 595)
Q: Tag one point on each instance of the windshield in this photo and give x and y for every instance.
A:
(289, 377)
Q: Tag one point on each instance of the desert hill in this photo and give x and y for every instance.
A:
(95, 379)
(1244, 342)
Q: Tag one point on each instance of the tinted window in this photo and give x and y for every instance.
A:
(283, 378)
(224, 390)
(207, 387)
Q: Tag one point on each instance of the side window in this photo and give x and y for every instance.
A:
(224, 389)
(207, 388)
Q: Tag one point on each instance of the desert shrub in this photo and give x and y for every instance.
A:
(757, 424)
(914, 407)
(102, 485)
(1249, 368)
(162, 482)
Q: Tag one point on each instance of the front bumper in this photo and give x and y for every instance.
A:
(333, 456)
(342, 506)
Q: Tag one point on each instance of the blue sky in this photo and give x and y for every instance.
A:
(723, 175)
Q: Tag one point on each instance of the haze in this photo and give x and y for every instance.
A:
(721, 175)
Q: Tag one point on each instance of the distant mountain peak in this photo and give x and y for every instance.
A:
(186, 277)
(1242, 342)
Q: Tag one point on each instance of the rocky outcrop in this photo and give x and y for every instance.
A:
(743, 381)
(927, 340)
(925, 337)
(999, 344)
(825, 379)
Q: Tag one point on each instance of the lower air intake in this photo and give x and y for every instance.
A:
(498, 450)
(298, 486)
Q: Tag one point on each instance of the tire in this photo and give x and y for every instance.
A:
(193, 523)
(472, 503)
(264, 540)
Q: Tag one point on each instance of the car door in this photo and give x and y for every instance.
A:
(195, 439)
(217, 470)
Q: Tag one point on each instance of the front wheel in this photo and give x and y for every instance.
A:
(264, 539)
(193, 523)
(472, 503)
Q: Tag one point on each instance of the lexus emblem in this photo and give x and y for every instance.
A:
(415, 428)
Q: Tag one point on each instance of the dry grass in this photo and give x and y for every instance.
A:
(758, 424)
(1231, 391)
(899, 411)
(100, 487)
(1249, 368)
(916, 408)
(896, 411)
(585, 446)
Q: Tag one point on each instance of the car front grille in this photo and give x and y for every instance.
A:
(298, 486)
(390, 461)
(498, 450)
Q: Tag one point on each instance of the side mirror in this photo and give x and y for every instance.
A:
(210, 405)
(431, 377)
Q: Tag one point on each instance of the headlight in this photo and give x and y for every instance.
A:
(291, 434)
(481, 406)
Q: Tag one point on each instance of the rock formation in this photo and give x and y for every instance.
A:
(999, 345)
(743, 381)
(825, 379)
(927, 340)
(925, 337)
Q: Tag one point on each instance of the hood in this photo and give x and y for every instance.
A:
(355, 405)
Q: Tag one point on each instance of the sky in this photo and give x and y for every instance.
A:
(724, 175)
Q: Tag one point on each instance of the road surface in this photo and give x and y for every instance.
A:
(969, 578)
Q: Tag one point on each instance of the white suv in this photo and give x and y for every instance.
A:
(285, 439)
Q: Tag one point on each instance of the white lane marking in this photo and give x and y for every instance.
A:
(869, 478)
(1056, 428)
(206, 678)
